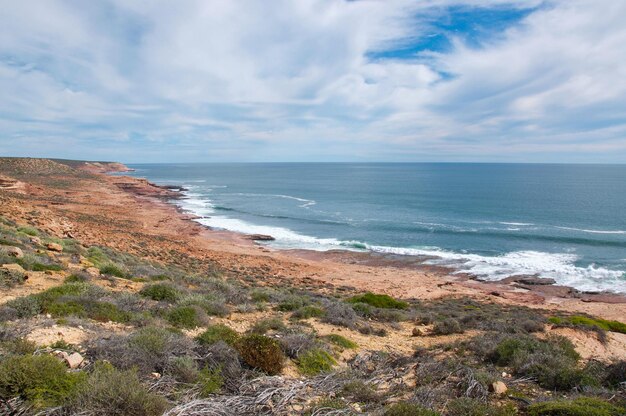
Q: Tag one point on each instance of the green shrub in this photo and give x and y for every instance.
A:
(25, 306)
(42, 267)
(110, 392)
(18, 346)
(447, 327)
(615, 374)
(552, 362)
(210, 381)
(292, 302)
(264, 325)
(183, 369)
(614, 326)
(307, 312)
(342, 342)
(42, 380)
(261, 352)
(185, 317)
(217, 333)
(105, 312)
(113, 270)
(97, 256)
(379, 301)
(584, 406)
(77, 278)
(32, 231)
(466, 406)
(361, 392)
(60, 309)
(161, 292)
(325, 405)
(10, 278)
(408, 409)
(315, 361)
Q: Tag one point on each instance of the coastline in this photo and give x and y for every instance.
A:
(136, 215)
(511, 288)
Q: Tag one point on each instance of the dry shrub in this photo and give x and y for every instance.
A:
(264, 353)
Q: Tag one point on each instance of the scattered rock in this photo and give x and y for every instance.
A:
(498, 388)
(15, 252)
(155, 376)
(260, 237)
(93, 271)
(74, 360)
(61, 354)
(35, 240)
(417, 332)
(532, 280)
(54, 247)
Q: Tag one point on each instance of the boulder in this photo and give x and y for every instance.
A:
(93, 271)
(54, 247)
(12, 267)
(260, 237)
(533, 280)
(74, 360)
(498, 388)
(35, 240)
(15, 252)
(417, 332)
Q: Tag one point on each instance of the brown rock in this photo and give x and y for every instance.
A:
(35, 240)
(54, 247)
(417, 332)
(93, 271)
(74, 360)
(12, 267)
(15, 252)
(498, 388)
(260, 237)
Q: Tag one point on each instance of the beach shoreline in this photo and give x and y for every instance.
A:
(129, 213)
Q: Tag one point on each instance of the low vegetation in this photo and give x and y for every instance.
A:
(169, 346)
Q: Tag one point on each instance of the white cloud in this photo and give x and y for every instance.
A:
(295, 79)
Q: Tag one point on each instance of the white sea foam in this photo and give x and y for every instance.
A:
(593, 231)
(516, 223)
(559, 266)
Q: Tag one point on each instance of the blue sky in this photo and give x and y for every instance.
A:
(314, 80)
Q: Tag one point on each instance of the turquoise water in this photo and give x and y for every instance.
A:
(567, 222)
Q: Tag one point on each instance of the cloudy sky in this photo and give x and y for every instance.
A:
(314, 80)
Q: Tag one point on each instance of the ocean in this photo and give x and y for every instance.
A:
(559, 221)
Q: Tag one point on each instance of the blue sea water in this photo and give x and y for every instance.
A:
(566, 222)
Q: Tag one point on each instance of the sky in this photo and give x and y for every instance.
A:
(314, 80)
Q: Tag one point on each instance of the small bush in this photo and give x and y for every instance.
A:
(217, 333)
(32, 231)
(292, 302)
(210, 381)
(264, 325)
(42, 267)
(261, 352)
(210, 306)
(10, 278)
(77, 278)
(161, 292)
(42, 380)
(342, 342)
(466, 406)
(361, 392)
(184, 370)
(616, 374)
(408, 409)
(112, 270)
(340, 314)
(295, 344)
(585, 321)
(25, 306)
(315, 361)
(185, 317)
(108, 391)
(584, 406)
(307, 312)
(18, 346)
(379, 301)
(447, 327)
